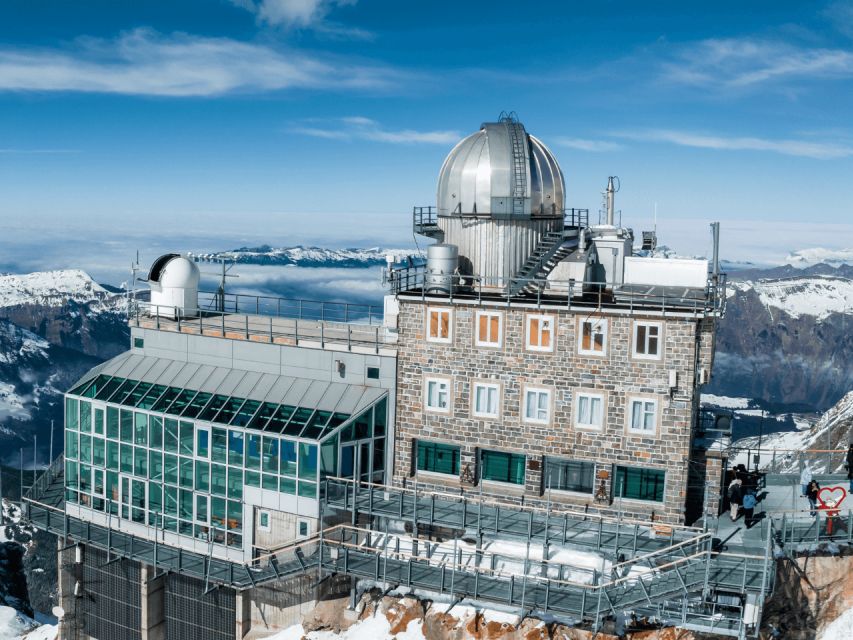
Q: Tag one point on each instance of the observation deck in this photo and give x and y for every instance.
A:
(336, 326)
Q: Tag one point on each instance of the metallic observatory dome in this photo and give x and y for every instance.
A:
(501, 171)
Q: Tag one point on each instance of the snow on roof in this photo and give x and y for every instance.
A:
(49, 288)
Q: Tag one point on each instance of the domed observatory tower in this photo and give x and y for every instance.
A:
(174, 281)
(500, 200)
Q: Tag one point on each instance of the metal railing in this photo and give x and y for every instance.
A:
(413, 280)
(270, 329)
(576, 218)
(294, 308)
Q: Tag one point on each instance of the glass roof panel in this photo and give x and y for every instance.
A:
(259, 421)
(198, 403)
(136, 395)
(300, 419)
(78, 390)
(107, 390)
(282, 415)
(150, 398)
(181, 401)
(166, 399)
(123, 391)
(213, 407)
(315, 426)
(244, 415)
(229, 409)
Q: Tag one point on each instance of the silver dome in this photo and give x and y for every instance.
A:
(501, 171)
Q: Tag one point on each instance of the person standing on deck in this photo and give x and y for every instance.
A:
(811, 494)
(849, 465)
(805, 479)
(749, 503)
(735, 497)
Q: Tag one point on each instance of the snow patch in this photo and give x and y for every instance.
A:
(814, 295)
(372, 628)
(726, 402)
(51, 288)
(839, 629)
(818, 255)
(16, 626)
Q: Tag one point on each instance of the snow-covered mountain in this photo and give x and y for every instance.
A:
(53, 327)
(300, 256)
(831, 432)
(787, 337)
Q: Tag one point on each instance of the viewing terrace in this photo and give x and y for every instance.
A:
(324, 325)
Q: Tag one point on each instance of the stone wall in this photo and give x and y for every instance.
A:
(617, 375)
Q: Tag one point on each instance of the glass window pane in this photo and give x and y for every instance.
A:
(155, 432)
(126, 425)
(123, 391)
(270, 482)
(98, 452)
(186, 473)
(639, 483)
(307, 489)
(170, 469)
(270, 455)
(85, 416)
(108, 388)
(155, 465)
(307, 461)
(202, 443)
(202, 476)
(235, 448)
(151, 397)
(170, 501)
(187, 434)
(170, 436)
(220, 445)
(71, 442)
(140, 465)
(229, 410)
(235, 483)
(112, 423)
(99, 421)
(165, 400)
(137, 394)
(287, 485)
(181, 401)
(85, 448)
(253, 451)
(503, 467)
(280, 418)
(287, 455)
(112, 455)
(72, 418)
(196, 405)
(218, 479)
(569, 475)
(140, 428)
(253, 479)
(127, 458)
(265, 412)
(329, 457)
(438, 458)
(213, 407)
(380, 420)
(185, 506)
(244, 415)
(71, 478)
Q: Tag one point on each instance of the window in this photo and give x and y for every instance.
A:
(589, 410)
(486, 400)
(489, 326)
(647, 340)
(537, 405)
(540, 333)
(569, 475)
(264, 520)
(373, 373)
(138, 343)
(639, 484)
(593, 337)
(642, 415)
(438, 395)
(438, 325)
(437, 458)
(303, 528)
(503, 467)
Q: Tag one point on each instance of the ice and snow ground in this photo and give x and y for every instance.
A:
(839, 629)
(373, 628)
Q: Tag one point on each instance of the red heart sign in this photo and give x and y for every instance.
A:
(831, 497)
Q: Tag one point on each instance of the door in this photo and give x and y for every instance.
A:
(364, 461)
(133, 495)
(348, 461)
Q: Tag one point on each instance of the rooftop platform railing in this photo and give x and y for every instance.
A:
(425, 219)
(294, 308)
(414, 281)
(260, 328)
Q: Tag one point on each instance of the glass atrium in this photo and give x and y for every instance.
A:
(179, 457)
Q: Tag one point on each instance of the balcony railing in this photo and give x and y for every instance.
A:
(415, 281)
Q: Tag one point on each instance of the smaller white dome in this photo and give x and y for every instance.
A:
(175, 271)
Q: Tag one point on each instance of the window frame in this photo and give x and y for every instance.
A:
(642, 470)
(261, 514)
(604, 322)
(439, 380)
(485, 384)
(484, 453)
(550, 318)
(454, 449)
(538, 390)
(565, 463)
(629, 414)
(478, 341)
(635, 330)
(428, 321)
(588, 393)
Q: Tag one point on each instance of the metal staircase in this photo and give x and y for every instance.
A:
(552, 248)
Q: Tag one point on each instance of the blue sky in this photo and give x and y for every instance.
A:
(326, 120)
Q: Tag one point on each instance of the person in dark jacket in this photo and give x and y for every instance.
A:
(811, 494)
(849, 465)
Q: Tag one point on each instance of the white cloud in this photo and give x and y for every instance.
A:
(746, 62)
(582, 144)
(301, 14)
(802, 148)
(144, 62)
(361, 128)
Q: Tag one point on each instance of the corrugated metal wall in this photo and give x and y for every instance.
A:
(193, 615)
(496, 248)
(110, 606)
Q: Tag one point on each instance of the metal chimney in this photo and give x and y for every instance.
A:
(610, 193)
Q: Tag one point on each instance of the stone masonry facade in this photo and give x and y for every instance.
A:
(564, 371)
